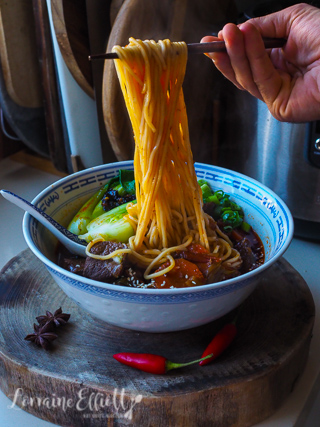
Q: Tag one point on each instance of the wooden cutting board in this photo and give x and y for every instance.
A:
(179, 20)
(243, 386)
(18, 53)
(69, 19)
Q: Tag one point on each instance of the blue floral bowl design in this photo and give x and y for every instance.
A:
(160, 310)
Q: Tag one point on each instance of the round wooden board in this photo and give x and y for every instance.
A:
(243, 386)
(70, 24)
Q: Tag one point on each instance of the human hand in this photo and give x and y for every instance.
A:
(286, 79)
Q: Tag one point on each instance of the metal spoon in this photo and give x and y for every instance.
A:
(71, 241)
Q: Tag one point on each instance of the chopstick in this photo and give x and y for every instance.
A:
(218, 46)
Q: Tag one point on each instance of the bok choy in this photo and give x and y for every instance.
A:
(110, 225)
(83, 217)
(123, 183)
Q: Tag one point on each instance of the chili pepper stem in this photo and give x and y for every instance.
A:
(152, 363)
(171, 365)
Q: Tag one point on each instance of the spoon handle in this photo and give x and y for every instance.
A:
(46, 220)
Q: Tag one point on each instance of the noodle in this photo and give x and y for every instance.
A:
(168, 215)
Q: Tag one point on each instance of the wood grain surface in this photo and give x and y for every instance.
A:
(18, 53)
(242, 387)
(115, 6)
(71, 28)
(182, 20)
(56, 135)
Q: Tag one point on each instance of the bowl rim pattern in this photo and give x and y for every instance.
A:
(151, 297)
(78, 179)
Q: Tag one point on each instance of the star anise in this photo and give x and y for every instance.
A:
(42, 335)
(57, 318)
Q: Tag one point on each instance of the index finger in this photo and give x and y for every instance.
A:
(222, 61)
(265, 76)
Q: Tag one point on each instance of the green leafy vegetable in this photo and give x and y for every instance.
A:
(111, 226)
(79, 222)
(126, 179)
(98, 210)
(245, 226)
(124, 183)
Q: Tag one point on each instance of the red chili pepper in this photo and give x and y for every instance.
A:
(151, 363)
(219, 343)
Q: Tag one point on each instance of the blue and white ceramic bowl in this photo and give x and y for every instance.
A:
(160, 310)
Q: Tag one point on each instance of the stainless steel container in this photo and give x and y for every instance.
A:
(283, 156)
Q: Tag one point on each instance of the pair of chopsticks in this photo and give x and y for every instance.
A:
(218, 46)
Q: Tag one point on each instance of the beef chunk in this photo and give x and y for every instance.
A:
(73, 264)
(105, 270)
(247, 255)
(209, 208)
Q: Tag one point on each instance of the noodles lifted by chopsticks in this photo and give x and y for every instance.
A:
(168, 215)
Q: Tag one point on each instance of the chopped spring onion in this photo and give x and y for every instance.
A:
(225, 209)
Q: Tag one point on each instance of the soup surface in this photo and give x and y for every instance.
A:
(194, 265)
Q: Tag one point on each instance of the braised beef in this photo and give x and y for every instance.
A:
(105, 270)
(247, 243)
(209, 208)
(126, 274)
(74, 264)
(222, 273)
(251, 252)
(133, 278)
